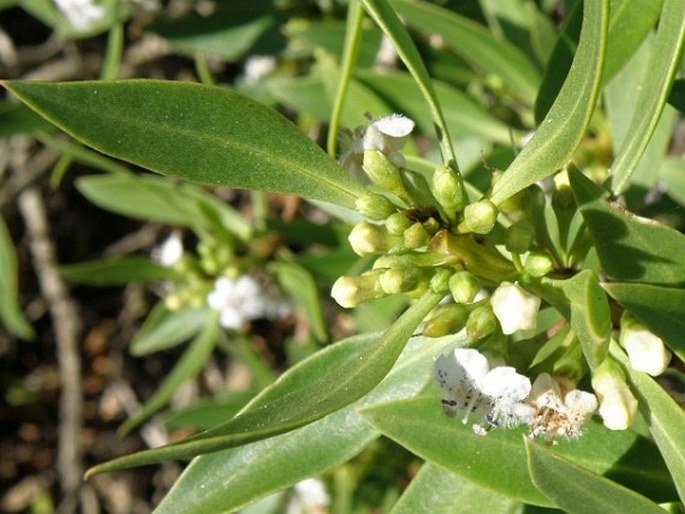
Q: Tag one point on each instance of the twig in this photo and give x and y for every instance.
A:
(67, 328)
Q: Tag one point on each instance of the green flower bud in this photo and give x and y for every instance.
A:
(538, 264)
(479, 217)
(481, 322)
(519, 236)
(411, 258)
(397, 223)
(382, 172)
(375, 206)
(367, 239)
(440, 282)
(448, 190)
(400, 280)
(351, 291)
(645, 350)
(617, 404)
(416, 236)
(431, 225)
(446, 319)
(563, 195)
(464, 286)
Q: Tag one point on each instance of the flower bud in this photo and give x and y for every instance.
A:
(448, 190)
(397, 223)
(617, 405)
(384, 173)
(464, 286)
(515, 308)
(446, 319)
(519, 236)
(349, 292)
(562, 189)
(645, 350)
(416, 236)
(481, 322)
(400, 280)
(366, 239)
(479, 217)
(440, 281)
(538, 264)
(374, 206)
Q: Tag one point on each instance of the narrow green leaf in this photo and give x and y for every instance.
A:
(666, 51)
(200, 133)
(225, 480)
(498, 460)
(320, 385)
(577, 490)
(475, 44)
(585, 304)
(564, 126)
(11, 315)
(165, 328)
(436, 490)
(664, 417)
(300, 286)
(630, 248)
(188, 366)
(662, 309)
(384, 15)
(114, 272)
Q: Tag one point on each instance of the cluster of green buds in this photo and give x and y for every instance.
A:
(428, 234)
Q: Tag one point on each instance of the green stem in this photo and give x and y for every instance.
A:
(353, 36)
(115, 46)
(202, 69)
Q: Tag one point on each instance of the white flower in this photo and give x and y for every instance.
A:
(257, 67)
(617, 405)
(170, 251)
(470, 385)
(645, 350)
(237, 301)
(515, 308)
(555, 416)
(81, 14)
(311, 497)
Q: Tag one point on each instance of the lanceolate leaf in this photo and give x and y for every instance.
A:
(577, 490)
(666, 51)
(631, 249)
(200, 133)
(564, 126)
(116, 271)
(320, 385)
(11, 316)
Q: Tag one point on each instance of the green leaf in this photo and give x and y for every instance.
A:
(577, 490)
(225, 481)
(386, 18)
(664, 418)
(436, 490)
(666, 51)
(661, 309)
(677, 96)
(165, 328)
(498, 460)
(585, 304)
(207, 412)
(188, 366)
(319, 385)
(200, 133)
(564, 126)
(11, 316)
(630, 248)
(18, 119)
(114, 272)
(475, 44)
(151, 198)
(298, 283)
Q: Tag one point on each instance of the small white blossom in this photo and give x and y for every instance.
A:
(81, 14)
(617, 404)
(311, 497)
(515, 308)
(470, 385)
(257, 67)
(645, 350)
(241, 300)
(170, 251)
(559, 414)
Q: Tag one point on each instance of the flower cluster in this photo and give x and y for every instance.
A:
(501, 397)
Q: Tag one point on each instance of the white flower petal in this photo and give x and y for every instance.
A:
(515, 308)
